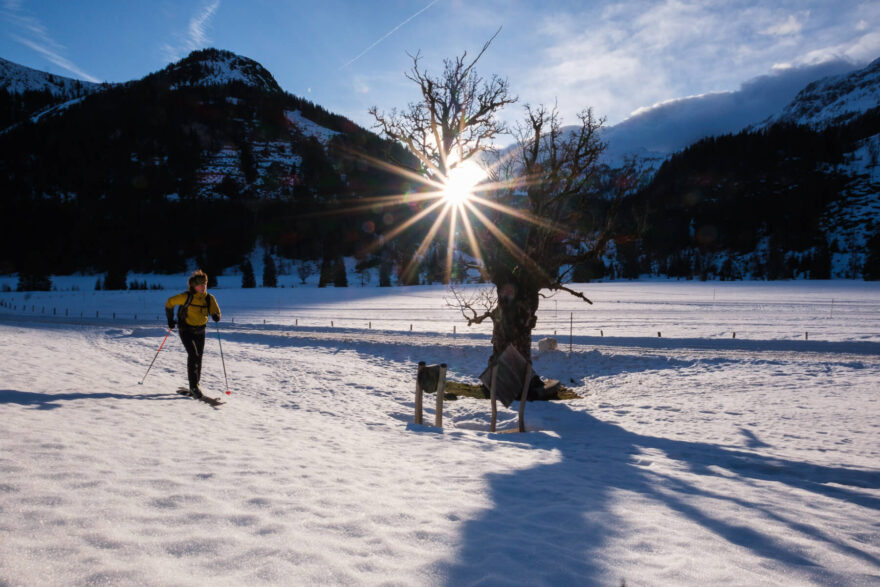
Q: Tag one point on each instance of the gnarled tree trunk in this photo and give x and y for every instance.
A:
(515, 316)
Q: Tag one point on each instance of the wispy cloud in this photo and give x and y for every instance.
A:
(790, 26)
(31, 33)
(196, 36)
(618, 56)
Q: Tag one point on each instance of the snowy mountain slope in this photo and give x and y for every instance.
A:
(855, 217)
(309, 128)
(17, 79)
(834, 99)
(34, 94)
(213, 67)
(659, 130)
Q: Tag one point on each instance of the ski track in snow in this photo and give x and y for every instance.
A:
(689, 460)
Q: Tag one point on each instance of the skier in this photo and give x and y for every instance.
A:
(196, 304)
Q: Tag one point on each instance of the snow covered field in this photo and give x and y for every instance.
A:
(692, 458)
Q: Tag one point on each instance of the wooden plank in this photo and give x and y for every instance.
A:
(441, 390)
(418, 415)
(523, 397)
(492, 398)
(511, 365)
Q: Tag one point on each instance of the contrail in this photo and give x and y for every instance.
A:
(199, 23)
(389, 33)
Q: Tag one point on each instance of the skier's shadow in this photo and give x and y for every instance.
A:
(603, 468)
(51, 401)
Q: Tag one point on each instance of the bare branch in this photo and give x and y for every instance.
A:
(483, 299)
(577, 294)
(456, 116)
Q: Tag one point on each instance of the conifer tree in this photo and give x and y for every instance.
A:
(340, 279)
(385, 273)
(116, 279)
(247, 275)
(34, 281)
(270, 273)
(871, 271)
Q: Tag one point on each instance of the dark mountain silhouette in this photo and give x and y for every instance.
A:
(197, 160)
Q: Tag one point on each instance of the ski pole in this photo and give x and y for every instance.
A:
(222, 360)
(141, 382)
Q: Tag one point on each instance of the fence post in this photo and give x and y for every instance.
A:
(418, 415)
(441, 390)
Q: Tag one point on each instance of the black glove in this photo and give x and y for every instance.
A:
(169, 315)
(216, 317)
(171, 324)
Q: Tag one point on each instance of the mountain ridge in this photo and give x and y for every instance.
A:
(663, 129)
(18, 79)
(209, 67)
(834, 99)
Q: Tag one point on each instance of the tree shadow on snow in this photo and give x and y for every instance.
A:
(50, 401)
(603, 468)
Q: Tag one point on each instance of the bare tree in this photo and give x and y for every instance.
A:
(547, 219)
(456, 117)
(538, 221)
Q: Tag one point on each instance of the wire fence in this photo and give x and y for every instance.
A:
(564, 327)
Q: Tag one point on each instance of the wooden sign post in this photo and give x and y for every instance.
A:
(430, 379)
(508, 379)
(418, 416)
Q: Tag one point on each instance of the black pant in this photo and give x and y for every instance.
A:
(193, 339)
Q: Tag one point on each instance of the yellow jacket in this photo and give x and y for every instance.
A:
(202, 306)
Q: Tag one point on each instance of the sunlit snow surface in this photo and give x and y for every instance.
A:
(693, 458)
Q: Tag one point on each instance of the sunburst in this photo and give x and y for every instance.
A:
(451, 197)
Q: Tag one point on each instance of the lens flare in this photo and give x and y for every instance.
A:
(454, 201)
(461, 181)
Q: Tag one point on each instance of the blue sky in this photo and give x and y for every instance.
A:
(617, 57)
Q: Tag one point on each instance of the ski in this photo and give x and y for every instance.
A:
(211, 401)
